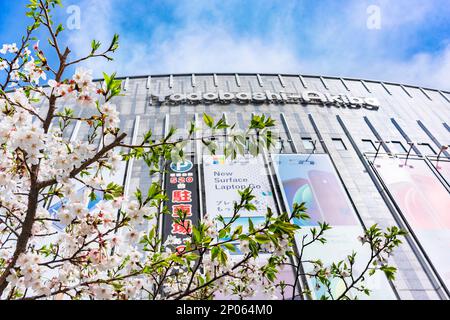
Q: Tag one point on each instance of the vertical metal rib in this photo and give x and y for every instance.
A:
(303, 82)
(288, 133)
(216, 81)
(280, 78)
(260, 82)
(406, 91)
(405, 136)
(377, 135)
(199, 158)
(425, 94)
(238, 80)
(444, 96)
(431, 136)
(344, 84)
(323, 82)
(365, 86)
(129, 167)
(385, 88)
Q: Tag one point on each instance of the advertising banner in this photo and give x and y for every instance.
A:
(443, 168)
(425, 204)
(181, 189)
(224, 177)
(311, 178)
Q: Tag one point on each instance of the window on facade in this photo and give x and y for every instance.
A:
(397, 147)
(339, 144)
(368, 145)
(426, 149)
(308, 144)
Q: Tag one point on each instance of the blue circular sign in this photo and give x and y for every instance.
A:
(182, 166)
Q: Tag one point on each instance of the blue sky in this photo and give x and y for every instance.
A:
(326, 37)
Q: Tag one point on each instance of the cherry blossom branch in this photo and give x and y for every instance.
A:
(87, 163)
(85, 284)
(9, 227)
(27, 225)
(88, 57)
(47, 23)
(183, 293)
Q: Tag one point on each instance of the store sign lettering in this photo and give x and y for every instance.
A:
(305, 97)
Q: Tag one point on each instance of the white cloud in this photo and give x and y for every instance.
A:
(341, 44)
(194, 48)
(197, 49)
(425, 69)
(96, 23)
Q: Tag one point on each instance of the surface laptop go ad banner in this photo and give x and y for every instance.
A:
(311, 178)
(223, 177)
(424, 203)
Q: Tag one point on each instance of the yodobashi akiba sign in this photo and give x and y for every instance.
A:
(305, 97)
(181, 188)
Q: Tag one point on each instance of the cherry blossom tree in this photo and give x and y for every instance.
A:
(103, 253)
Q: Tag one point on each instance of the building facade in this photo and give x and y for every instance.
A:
(381, 146)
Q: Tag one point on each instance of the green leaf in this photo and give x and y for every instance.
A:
(221, 124)
(59, 29)
(251, 227)
(215, 252)
(238, 230)
(113, 190)
(114, 43)
(92, 196)
(209, 121)
(389, 271)
(138, 195)
(262, 238)
(196, 234)
(147, 136)
(222, 233)
(230, 247)
(95, 45)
